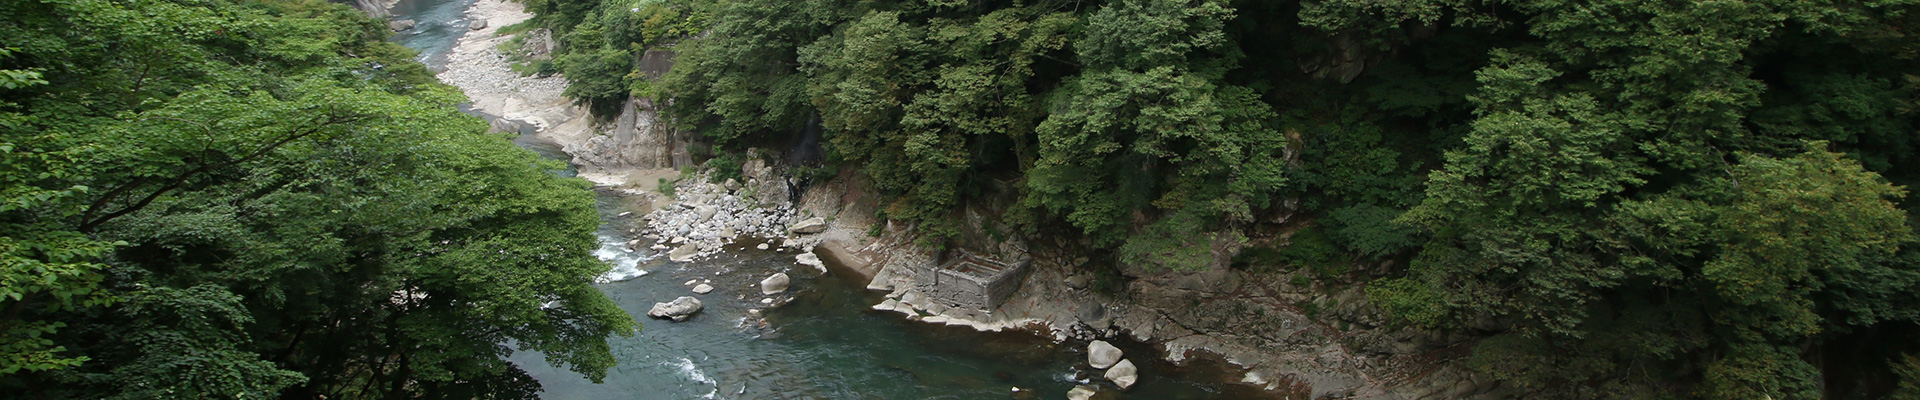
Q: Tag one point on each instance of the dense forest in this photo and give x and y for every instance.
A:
(232, 199)
(1626, 199)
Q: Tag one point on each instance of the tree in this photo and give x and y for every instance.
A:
(287, 206)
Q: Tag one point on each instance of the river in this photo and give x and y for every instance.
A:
(825, 344)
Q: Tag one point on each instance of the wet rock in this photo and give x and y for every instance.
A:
(810, 225)
(703, 289)
(400, 25)
(677, 310)
(1123, 374)
(1080, 392)
(775, 284)
(477, 24)
(1102, 355)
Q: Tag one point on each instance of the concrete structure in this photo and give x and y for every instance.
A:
(966, 280)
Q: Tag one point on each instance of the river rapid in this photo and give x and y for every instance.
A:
(826, 343)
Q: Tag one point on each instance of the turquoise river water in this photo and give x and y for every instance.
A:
(825, 344)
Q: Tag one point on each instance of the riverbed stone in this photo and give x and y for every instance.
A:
(762, 246)
(810, 225)
(478, 24)
(703, 288)
(775, 284)
(400, 25)
(1081, 392)
(1102, 355)
(677, 310)
(811, 260)
(705, 212)
(684, 253)
(1123, 374)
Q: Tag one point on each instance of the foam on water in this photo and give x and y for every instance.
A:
(626, 263)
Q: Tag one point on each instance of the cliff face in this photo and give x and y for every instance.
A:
(639, 139)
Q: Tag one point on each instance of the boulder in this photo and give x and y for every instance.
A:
(400, 25)
(1080, 392)
(1123, 374)
(731, 184)
(477, 24)
(678, 310)
(811, 260)
(775, 284)
(809, 225)
(762, 246)
(703, 289)
(1077, 281)
(684, 253)
(1102, 354)
(705, 212)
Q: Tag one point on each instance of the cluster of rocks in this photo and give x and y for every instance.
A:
(1103, 355)
(710, 215)
(480, 69)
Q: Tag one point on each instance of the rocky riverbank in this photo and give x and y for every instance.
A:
(1298, 339)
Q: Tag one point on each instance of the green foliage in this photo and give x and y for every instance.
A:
(1620, 191)
(1369, 230)
(1177, 243)
(1907, 369)
(283, 204)
(726, 166)
(1409, 300)
(1312, 249)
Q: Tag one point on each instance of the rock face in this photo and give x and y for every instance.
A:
(810, 225)
(400, 25)
(775, 284)
(703, 288)
(1123, 374)
(640, 138)
(1102, 354)
(677, 310)
(1081, 392)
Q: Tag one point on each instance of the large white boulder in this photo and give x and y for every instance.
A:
(1123, 374)
(1102, 354)
(1080, 392)
(809, 225)
(775, 284)
(811, 260)
(678, 310)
